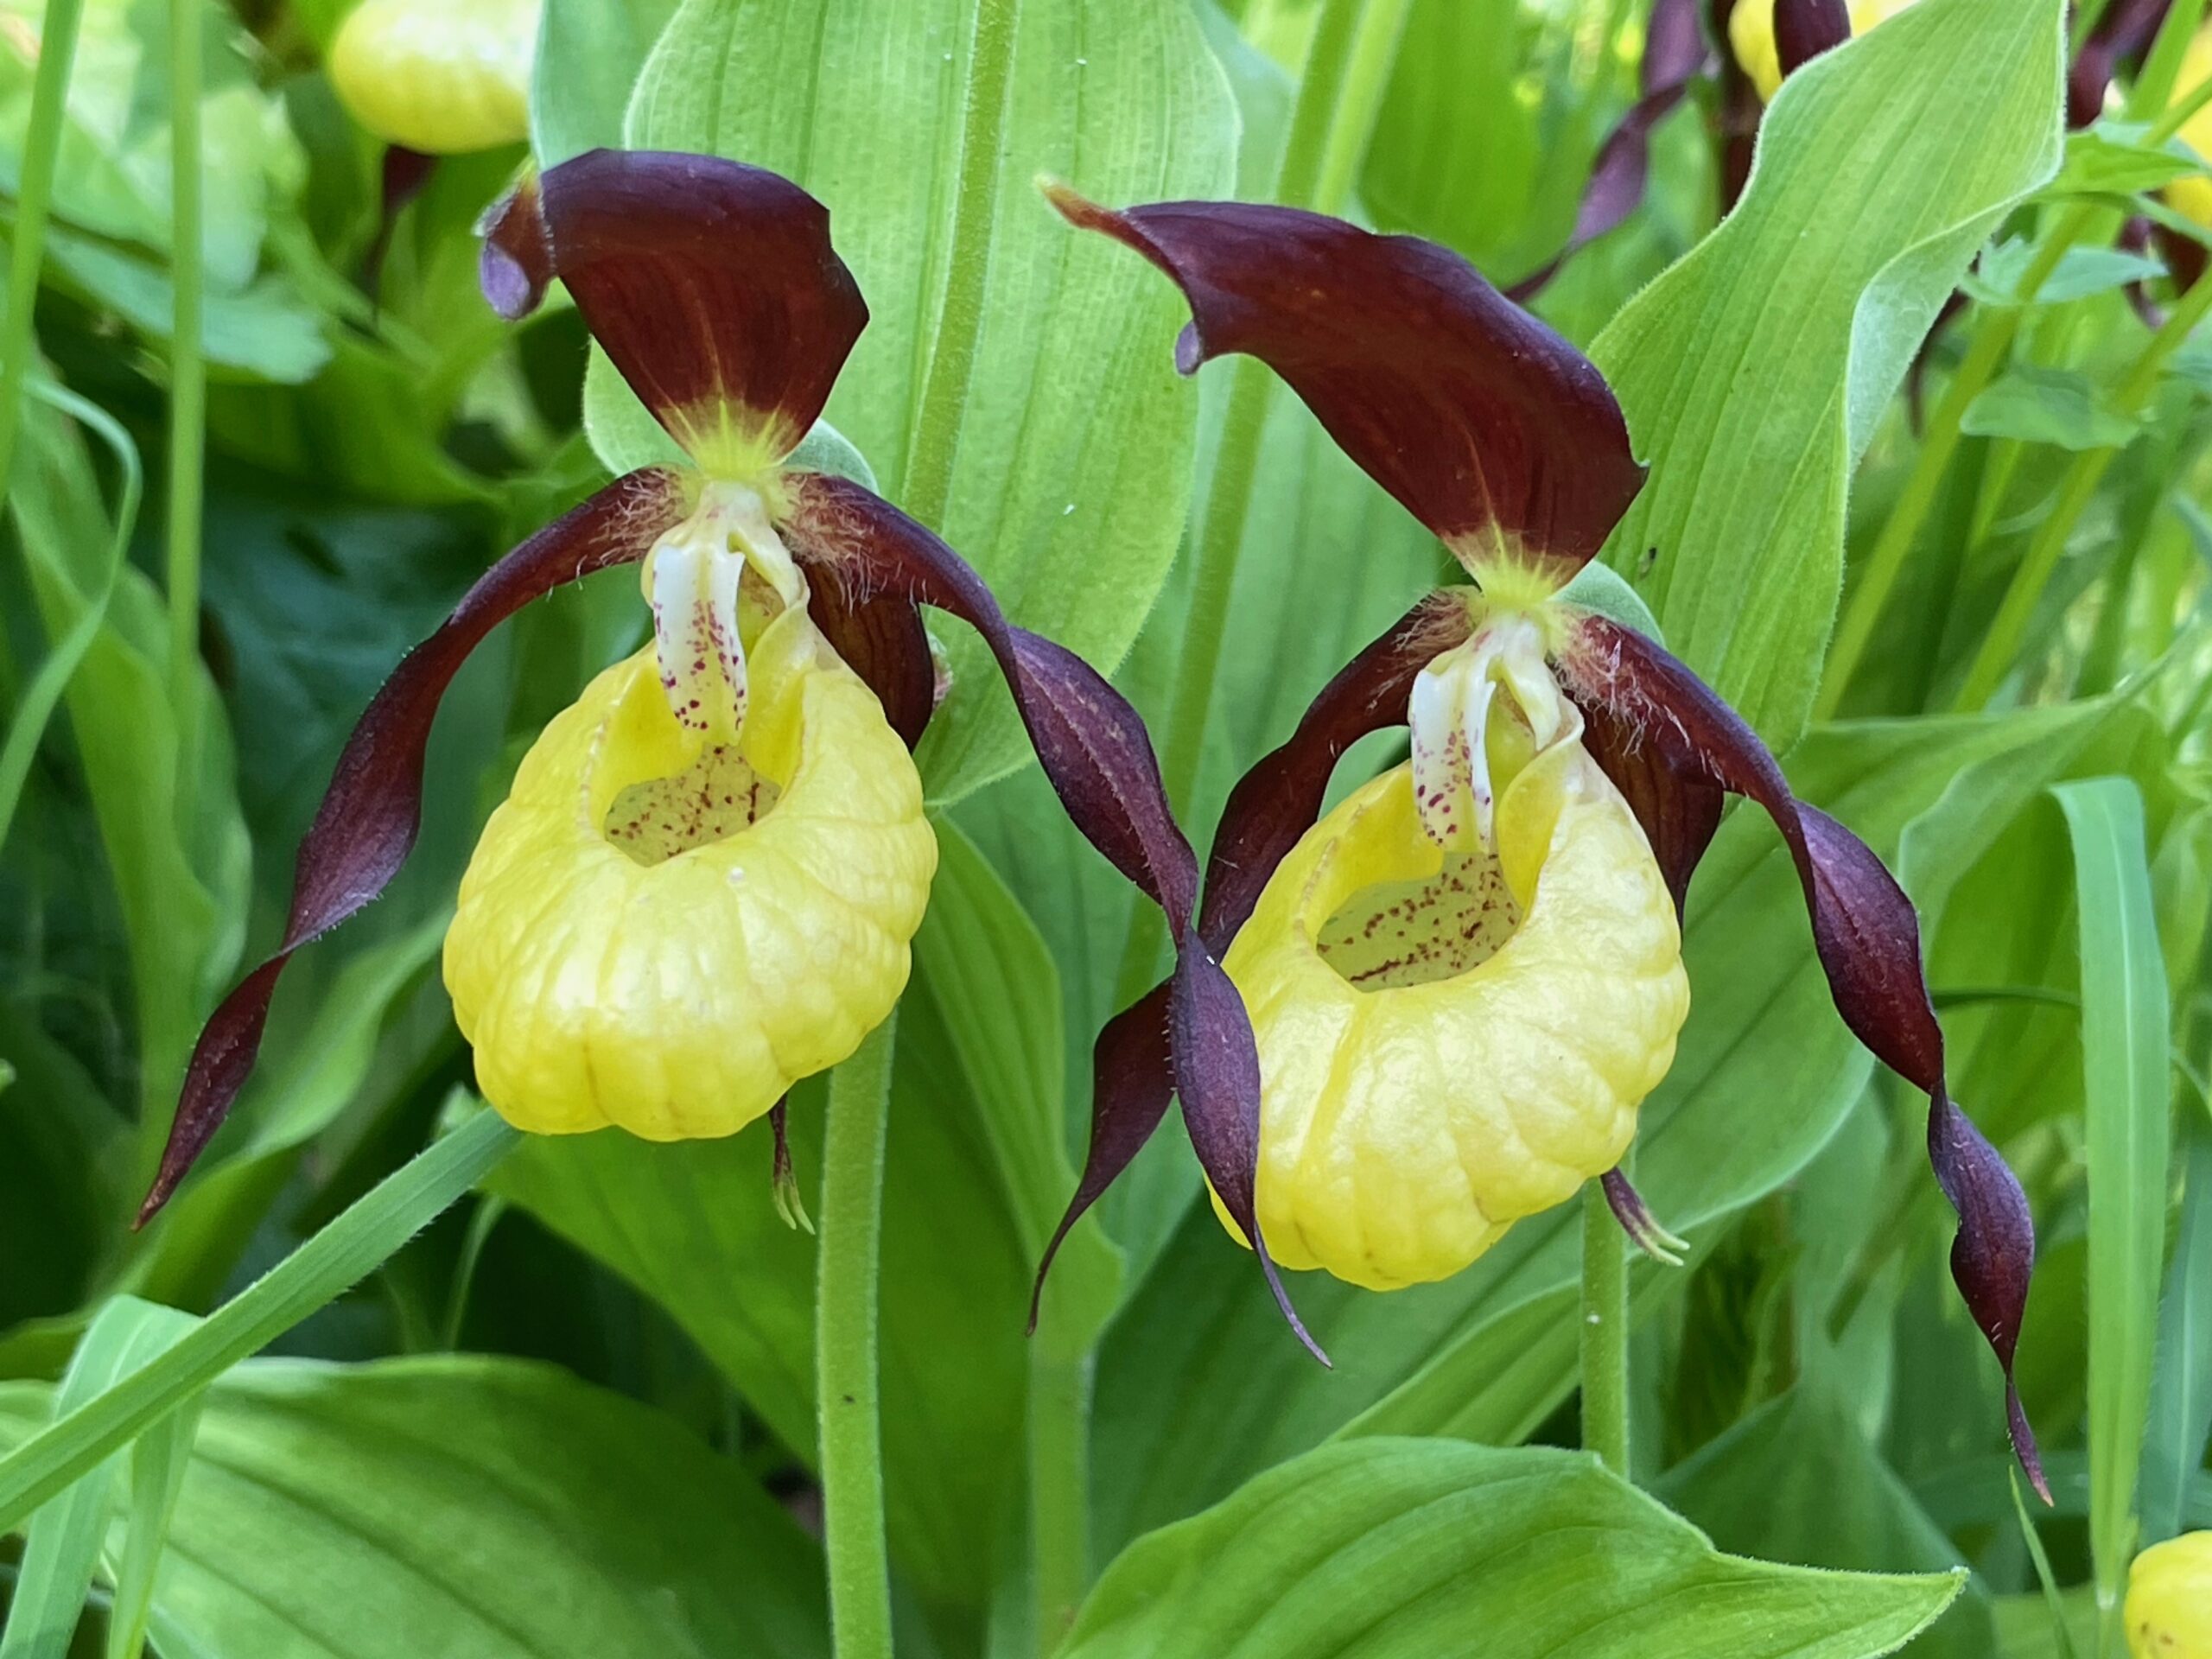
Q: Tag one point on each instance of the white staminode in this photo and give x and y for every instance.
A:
(693, 578)
(1450, 714)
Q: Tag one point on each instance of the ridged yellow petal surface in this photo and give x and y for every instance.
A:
(681, 998)
(440, 76)
(2168, 1608)
(1404, 1127)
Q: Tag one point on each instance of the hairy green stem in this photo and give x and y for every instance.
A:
(2008, 630)
(926, 490)
(369, 1231)
(1059, 1487)
(188, 372)
(851, 1231)
(57, 52)
(1605, 1331)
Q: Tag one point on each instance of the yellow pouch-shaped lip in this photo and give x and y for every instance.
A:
(1404, 1128)
(2169, 1607)
(682, 998)
(444, 77)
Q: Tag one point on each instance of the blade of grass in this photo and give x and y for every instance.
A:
(2128, 1088)
(338, 1257)
(2064, 1638)
(2181, 1384)
(57, 52)
(41, 697)
(158, 1460)
(62, 1551)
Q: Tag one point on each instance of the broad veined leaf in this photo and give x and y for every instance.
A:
(2041, 405)
(1795, 1481)
(588, 55)
(1429, 1549)
(2181, 1387)
(488, 1507)
(2079, 273)
(1764, 1074)
(1753, 370)
(1073, 463)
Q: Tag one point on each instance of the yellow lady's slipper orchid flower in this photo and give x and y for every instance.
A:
(2168, 1613)
(438, 77)
(1752, 35)
(1463, 981)
(703, 883)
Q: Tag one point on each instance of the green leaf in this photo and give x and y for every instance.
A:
(2180, 1386)
(2128, 1085)
(332, 1261)
(1073, 469)
(456, 1505)
(1764, 1074)
(2044, 405)
(2109, 160)
(1408, 1548)
(2080, 272)
(1603, 590)
(1753, 370)
(1795, 1481)
(62, 1547)
(588, 55)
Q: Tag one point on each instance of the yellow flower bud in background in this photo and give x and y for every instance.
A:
(1454, 1037)
(2168, 1608)
(1750, 36)
(2192, 197)
(665, 931)
(442, 77)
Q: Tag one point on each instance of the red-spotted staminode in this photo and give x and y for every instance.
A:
(1465, 977)
(703, 885)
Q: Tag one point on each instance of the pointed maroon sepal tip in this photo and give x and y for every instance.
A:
(1675, 55)
(1491, 429)
(1866, 934)
(367, 822)
(713, 287)
(1803, 29)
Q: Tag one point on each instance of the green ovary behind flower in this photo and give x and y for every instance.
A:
(665, 932)
(2169, 1609)
(1451, 1039)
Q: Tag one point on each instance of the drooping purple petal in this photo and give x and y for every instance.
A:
(1805, 29)
(1218, 1079)
(401, 176)
(1278, 800)
(1494, 431)
(882, 640)
(1132, 1085)
(1679, 811)
(1868, 939)
(1675, 55)
(712, 285)
(1093, 746)
(367, 822)
(2126, 27)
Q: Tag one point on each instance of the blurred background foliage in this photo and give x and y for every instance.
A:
(531, 1380)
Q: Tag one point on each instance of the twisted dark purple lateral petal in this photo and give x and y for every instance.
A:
(1491, 429)
(1132, 1085)
(1218, 1079)
(1805, 29)
(1094, 747)
(1868, 937)
(712, 285)
(2126, 27)
(367, 822)
(1675, 55)
(882, 640)
(1679, 811)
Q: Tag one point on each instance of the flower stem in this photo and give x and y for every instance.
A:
(1059, 1487)
(2008, 629)
(845, 1348)
(1605, 1332)
(188, 373)
(57, 51)
(926, 490)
